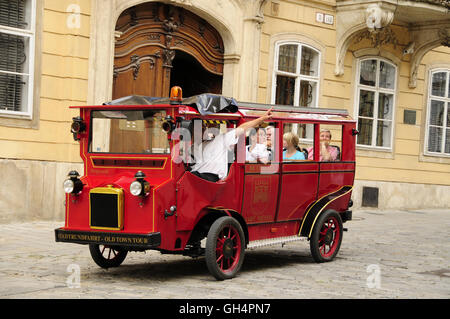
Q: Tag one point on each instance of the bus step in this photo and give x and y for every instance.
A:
(274, 241)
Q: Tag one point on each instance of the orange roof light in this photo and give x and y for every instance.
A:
(176, 94)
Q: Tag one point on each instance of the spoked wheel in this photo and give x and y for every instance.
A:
(225, 248)
(107, 256)
(326, 237)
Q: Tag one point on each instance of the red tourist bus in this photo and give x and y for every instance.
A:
(138, 191)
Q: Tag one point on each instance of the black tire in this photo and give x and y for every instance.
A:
(107, 256)
(225, 248)
(326, 236)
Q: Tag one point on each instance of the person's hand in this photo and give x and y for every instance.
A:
(268, 114)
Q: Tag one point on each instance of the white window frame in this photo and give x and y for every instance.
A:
(377, 90)
(446, 100)
(30, 33)
(297, 75)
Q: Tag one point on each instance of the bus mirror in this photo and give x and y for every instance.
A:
(355, 132)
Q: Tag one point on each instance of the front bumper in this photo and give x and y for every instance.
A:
(146, 241)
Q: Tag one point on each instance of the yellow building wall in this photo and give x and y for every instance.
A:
(64, 68)
(406, 162)
(64, 82)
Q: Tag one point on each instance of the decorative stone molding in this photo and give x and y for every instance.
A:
(226, 16)
(377, 18)
(444, 36)
(254, 11)
(426, 39)
(360, 20)
(379, 37)
(426, 20)
(183, 2)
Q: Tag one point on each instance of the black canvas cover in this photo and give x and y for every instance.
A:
(212, 103)
(205, 103)
(133, 100)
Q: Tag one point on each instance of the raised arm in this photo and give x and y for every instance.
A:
(253, 123)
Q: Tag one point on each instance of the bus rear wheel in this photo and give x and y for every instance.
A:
(326, 237)
(107, 256)
(225, 248)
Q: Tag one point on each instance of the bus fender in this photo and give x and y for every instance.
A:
(210, 214)
(316, 208)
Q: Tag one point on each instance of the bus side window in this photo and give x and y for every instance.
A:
(330, 143)
(297, 138)
(257, 148)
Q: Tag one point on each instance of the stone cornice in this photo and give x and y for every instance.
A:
(426, 20)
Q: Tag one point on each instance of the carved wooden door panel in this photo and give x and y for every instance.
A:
(148, 38)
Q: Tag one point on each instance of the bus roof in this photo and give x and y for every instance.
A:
(211, 104)
(294, 112)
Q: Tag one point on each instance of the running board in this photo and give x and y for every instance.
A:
(273, 241)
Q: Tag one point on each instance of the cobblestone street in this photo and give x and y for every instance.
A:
(384, 254)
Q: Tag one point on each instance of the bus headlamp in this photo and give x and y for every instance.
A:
(140, 187)
(73, 185)
(168, 125)
(136, 188)
(69, 186)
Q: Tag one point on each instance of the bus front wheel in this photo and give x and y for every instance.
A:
(225, 248)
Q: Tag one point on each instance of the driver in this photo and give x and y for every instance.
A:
(212, 165)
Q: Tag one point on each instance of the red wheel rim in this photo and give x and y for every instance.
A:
(329, 237)
(228, 249)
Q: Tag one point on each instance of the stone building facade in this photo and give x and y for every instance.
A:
(387, 62)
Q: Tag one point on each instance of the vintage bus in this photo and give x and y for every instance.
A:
(138, 191)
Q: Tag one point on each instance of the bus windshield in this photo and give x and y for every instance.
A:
(128, 132)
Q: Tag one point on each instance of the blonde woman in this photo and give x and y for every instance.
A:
(290, 143)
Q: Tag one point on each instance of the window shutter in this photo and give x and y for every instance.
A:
(12, 55)
(12, 13)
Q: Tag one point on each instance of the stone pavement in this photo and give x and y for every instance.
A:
(385, 254)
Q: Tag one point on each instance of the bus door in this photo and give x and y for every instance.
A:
(261, 175)
(300, 174)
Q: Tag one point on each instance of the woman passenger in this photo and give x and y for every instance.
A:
(290, 143)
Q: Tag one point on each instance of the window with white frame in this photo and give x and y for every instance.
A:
(376, 84)
(296, 80)
(17, 38)
(296, 75)
(438, 118)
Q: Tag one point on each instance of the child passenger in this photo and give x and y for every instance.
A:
(257, 151)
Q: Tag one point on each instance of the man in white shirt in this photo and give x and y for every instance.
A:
(213, 164)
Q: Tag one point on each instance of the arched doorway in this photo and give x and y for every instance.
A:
(159, 46)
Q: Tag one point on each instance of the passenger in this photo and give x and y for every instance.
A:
(256, 151)
(213, 163)
(270, 134)
(327, 152)
(290, 143)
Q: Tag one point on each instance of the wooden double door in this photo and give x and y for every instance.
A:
(158, 46)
